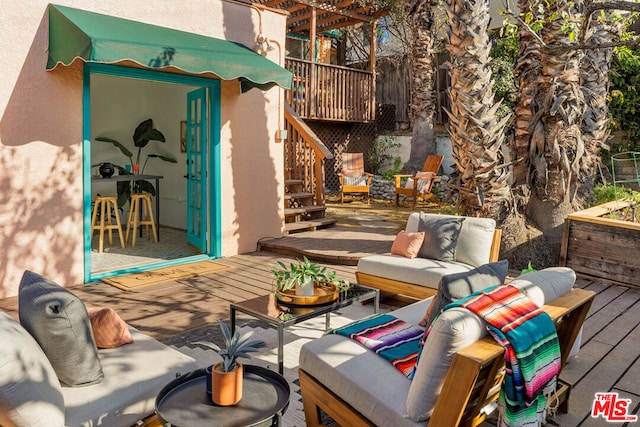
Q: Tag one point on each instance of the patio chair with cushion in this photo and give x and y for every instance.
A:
(353, 178)
(418, 186)
(460, 369)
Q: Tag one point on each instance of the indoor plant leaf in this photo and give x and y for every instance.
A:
(122, 148)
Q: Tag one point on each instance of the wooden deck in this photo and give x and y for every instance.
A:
(608, 361)
(336, 245)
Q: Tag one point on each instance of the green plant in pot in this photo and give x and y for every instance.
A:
(143, 134)
(225, 384)
(301, 275)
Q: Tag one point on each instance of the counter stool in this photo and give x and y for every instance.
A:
(104, 205)
(140, 214)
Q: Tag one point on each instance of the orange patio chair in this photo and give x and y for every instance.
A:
(418, 186)
(353, 178)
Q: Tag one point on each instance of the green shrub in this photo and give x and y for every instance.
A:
(389, 173)
(378, 155)
(604, 193)
(624, 98)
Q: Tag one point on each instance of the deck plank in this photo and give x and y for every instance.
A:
(608, 361)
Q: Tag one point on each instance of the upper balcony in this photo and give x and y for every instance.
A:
(331, 92)
(323, 90)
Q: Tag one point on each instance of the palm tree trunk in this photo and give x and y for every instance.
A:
(595, 87)
(476, 133)
(423, 99)
(527, 72)
(556, 148)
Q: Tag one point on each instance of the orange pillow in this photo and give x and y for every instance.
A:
(109, 330)
(407, 244)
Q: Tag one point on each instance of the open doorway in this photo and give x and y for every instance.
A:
(119, 100)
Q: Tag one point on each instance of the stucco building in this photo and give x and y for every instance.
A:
(63, 85)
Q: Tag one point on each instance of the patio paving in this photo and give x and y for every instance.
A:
(609, 360)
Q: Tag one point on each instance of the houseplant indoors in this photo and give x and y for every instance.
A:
(226, 376)
(143, 134)
(302, 275)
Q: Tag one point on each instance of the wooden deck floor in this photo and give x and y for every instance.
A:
(608, 361)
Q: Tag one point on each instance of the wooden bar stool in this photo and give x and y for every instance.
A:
(104, 205)
(140, 216)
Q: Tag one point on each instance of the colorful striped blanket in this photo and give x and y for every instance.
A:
(391, 338)
(532, 351)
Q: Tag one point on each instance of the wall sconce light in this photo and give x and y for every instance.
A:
(260, 42)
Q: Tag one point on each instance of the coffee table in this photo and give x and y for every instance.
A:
(270, 309)
(184, 401)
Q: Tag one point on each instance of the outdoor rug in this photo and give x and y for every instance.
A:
(132, 281)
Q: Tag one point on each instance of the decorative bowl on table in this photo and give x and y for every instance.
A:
(323, 293)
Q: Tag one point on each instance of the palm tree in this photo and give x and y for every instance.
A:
(476, 132)
(595, 87)
(527, 70)
(556, 147)
(423, 98)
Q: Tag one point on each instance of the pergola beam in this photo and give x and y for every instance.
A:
(334, 9)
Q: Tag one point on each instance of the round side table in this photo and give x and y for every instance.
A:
(184, 401)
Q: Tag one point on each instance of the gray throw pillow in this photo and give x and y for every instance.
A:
(59, 322)
(452, 287)
(30, 393)
(440, 236)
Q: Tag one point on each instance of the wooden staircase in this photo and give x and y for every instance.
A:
(304, 156)
(300, 213)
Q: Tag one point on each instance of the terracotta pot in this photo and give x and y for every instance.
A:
(226, 387)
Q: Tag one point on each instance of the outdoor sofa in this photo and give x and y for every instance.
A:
(111, 387)
(452, 244)
(459, 371)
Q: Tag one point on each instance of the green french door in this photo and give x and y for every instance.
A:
(197, 168)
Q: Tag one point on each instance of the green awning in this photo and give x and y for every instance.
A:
(94, 37)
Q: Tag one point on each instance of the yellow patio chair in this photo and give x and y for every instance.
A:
(418, 186)
(353, 178)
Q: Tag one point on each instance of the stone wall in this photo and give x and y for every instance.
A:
(382, 189)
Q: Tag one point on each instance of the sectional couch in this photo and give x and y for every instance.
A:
(452, 244)
(99, 387)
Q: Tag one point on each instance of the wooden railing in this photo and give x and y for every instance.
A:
(304, 155)
(331, 92)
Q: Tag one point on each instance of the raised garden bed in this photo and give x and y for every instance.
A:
(603, 242)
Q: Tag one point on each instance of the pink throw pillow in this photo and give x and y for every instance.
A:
(109, 330)
(407, 244)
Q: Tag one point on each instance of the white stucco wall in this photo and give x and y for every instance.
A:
(41, 193)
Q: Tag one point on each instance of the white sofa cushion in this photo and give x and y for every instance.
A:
(418, 271)
(545, 285)
(133, 376)
(30, 394)
(474, 241)
(361, 377)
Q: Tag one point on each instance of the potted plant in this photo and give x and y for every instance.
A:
(302, 275)
(226, 376)
(143, 134)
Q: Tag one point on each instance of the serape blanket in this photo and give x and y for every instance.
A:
(391, 338)
(532, 351)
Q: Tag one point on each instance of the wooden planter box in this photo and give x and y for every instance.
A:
(602, 248)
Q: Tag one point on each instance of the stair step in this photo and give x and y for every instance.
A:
(293, 182)
(309, 225)
(303, 209)
(289, 196)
